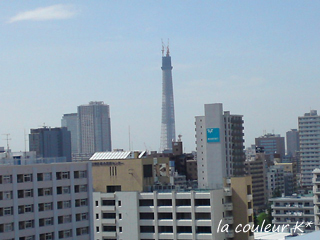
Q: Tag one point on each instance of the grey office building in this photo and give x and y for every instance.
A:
(50, 142)
(70, 121)
(292, 142)
(272, 144)
(94, 134)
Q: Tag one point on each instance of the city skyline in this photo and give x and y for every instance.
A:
(259, 59)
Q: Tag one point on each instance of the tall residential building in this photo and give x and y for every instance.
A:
(70, 121)
(50, 142)
(273, 144)
(94, 125)
(292, 137)
(168, 132)
(309, 135)
(316, 197)
(46, 201)
(219, 139)
(256, 168)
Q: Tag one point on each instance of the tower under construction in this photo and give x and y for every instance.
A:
(168, 132)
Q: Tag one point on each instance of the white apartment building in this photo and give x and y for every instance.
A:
(293, 209)
(309, 138)
(220, 149)
(46, 201)
(163, 215)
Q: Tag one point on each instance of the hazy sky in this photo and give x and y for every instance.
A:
(259, 58)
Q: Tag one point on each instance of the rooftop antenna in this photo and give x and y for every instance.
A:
(7, 139)
(179, 137)
(162, 48)
(129, 140)
(168, 51)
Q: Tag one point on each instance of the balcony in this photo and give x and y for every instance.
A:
(227, 192)
(228, 220)
(228, 206)
(250, 211)
(230, 234)
(249, 197)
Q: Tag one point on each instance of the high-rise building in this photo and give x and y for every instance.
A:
(219, 139)
(50, 142)
(309, 137)
(70, 121)
(273, 144)
(256, 168)
(94, 125)
(168, 132)
(292, 142)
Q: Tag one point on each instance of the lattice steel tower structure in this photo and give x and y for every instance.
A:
(168, 132)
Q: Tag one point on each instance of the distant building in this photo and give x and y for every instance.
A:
(94, 125)
(273, 144)
(70, 121)
(220, 149)
(50, 142)
(256, 168)
(275, 181)
(292, 210)
(293, 147)
(309, 135)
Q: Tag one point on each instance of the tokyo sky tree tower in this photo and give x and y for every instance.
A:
(168, 132)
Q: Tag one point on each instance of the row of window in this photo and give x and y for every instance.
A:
(42, 176)
(61, 234)
(179, 202)
(179, 215)
(6, 195)
(180, 229)
(6, 211)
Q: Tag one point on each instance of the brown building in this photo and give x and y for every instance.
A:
(128, 171)
(256, 168)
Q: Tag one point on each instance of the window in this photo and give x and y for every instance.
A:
(47, 236)
(26, 224)
(45, 207)
(62, 175)
(80, 188)
(146, 215)
(164, 215)
(64, 204)
(63, 190)
(183, 202)
(81, 202)
(7, 195)
(147, 171)
(25, 193)
(8, 227)
(8, 211)
(113, 188)
(7, 179)
(110, 215)
(64, 219)
(24, 178)
(80, 174)
(82, 231)
(109, 228)
(47, 176)
(81, 217)
(65, 234)
(147, 229)
(146, 202)
(202, 202)
(108, 202)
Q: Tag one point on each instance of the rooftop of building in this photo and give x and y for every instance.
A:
(308, 197)
(117, 155)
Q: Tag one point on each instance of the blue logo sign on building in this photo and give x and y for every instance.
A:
(213, 135)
